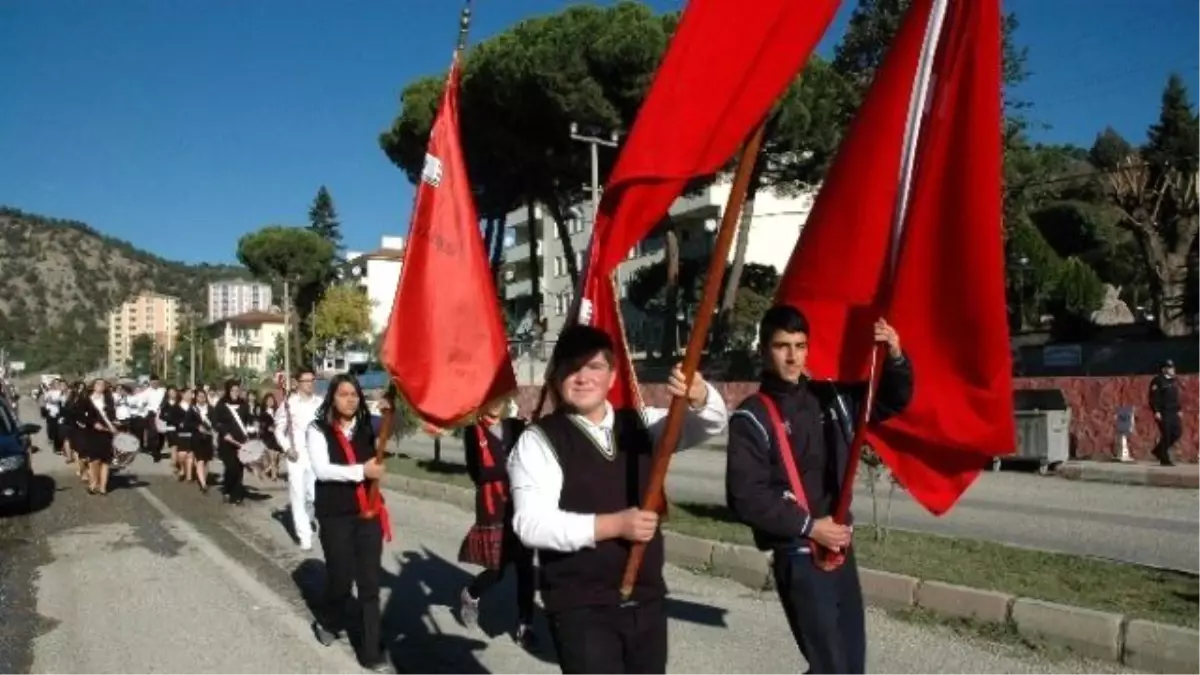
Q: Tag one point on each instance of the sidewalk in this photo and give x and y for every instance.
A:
(1132, 473)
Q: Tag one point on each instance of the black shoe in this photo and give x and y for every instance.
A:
(379, 665)
(526, 638)
(325, 637)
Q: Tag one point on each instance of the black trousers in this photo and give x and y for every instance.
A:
(824, 611)
(1170, 428)
(522, 560)
(233, 480)
(152, 439)
(353, 550)
(611, 639)
(52, 432)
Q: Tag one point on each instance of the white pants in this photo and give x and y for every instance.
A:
(301, 493)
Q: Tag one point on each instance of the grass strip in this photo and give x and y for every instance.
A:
(1134, 590)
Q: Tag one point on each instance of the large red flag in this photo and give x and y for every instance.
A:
(728, 61)
(445, 344)
(931, 183)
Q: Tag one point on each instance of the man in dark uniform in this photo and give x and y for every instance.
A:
(1164, 401)
(812, 421)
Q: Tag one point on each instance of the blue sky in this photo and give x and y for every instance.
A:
(180, 125)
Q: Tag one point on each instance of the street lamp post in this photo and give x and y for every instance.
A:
(1022, 262)
(595, 142)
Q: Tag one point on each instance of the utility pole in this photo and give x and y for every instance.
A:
(191, 350)
(287, 342)
(595, 142)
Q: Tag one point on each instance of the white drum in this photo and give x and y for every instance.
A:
(125, 449)
(253, 453)
(161, 426)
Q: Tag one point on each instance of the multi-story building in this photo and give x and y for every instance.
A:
(150, 314)
(246, 341)
(377, 272)
(237, 296)
(774, 229)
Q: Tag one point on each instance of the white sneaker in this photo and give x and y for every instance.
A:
(306, 545)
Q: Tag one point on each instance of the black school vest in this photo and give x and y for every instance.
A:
(596, 483)
(337, 498)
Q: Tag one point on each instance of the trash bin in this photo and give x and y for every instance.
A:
(1043, 428)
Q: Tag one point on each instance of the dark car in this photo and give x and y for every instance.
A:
(16, 466)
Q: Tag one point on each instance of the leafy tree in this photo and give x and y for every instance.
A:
(1156, 197)
(522, 89)
(343, 315)
(1076, 290)
(296, 255)
(141, 354)
(323, 219)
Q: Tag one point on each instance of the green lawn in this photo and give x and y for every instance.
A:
(1139, 592)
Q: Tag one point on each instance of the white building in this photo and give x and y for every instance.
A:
(378, 273)
(774, 230)
(237, 296)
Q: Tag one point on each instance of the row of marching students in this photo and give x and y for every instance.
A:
(87, 425)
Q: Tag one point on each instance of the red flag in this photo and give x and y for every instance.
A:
(445, 344)
(946, 297)
(726, 65)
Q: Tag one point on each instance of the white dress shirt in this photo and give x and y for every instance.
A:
(318, 454)
(303, 412)
(153, 397)
(536, 479)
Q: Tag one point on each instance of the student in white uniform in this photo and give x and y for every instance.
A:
(291, 424)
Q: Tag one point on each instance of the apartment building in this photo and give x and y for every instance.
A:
(246, 340)
(237, 296)
(774, 230)
(150, 314)
(377, 272)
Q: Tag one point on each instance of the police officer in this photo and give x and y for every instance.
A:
(1164, 401)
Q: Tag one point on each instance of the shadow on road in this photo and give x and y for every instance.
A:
(42, 489)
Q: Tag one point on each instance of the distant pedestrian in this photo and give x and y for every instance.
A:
(1164, 401)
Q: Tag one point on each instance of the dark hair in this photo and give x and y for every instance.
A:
(784, 318)
(305, 371)
(576, 346)
(362, 416)
(269, 396)
(229, 385)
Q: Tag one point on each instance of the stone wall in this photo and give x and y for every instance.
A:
(1094, 402)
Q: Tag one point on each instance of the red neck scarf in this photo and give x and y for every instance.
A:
(493, 491)
(360, 490)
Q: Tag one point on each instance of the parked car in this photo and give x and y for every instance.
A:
(16, 460)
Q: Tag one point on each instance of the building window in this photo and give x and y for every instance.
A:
(576, 225)
(559, 264)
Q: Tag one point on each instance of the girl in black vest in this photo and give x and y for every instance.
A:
(99, 414)
(491, 542)
(199, 421)
(341, 446)
(231, 419)
(577, 477)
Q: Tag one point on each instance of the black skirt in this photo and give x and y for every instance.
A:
(202, 447)
(97, 446)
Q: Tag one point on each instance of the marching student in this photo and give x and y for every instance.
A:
(577, 478)
(491, 542)
(265, 416)
(341, 448)
(292, 420)
(98, 413)
(787, 455)
(230, 419)
(199, 423)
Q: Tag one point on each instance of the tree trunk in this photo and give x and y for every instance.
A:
(535, 269)
(1167, 272)
(489, 233)
(670, 323)
(729, 298)
(497, 250)
(564, 235)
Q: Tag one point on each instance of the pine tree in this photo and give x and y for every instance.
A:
(323, 219)
(1175, 138)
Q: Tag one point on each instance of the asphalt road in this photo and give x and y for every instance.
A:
(1132, 523)
(156, 577)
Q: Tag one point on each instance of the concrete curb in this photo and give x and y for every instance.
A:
(1181, 476)
(1140, 644)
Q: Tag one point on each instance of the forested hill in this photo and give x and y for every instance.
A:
(60, 278)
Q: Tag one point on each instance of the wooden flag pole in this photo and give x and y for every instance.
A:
(653, 499)
(389, 413)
